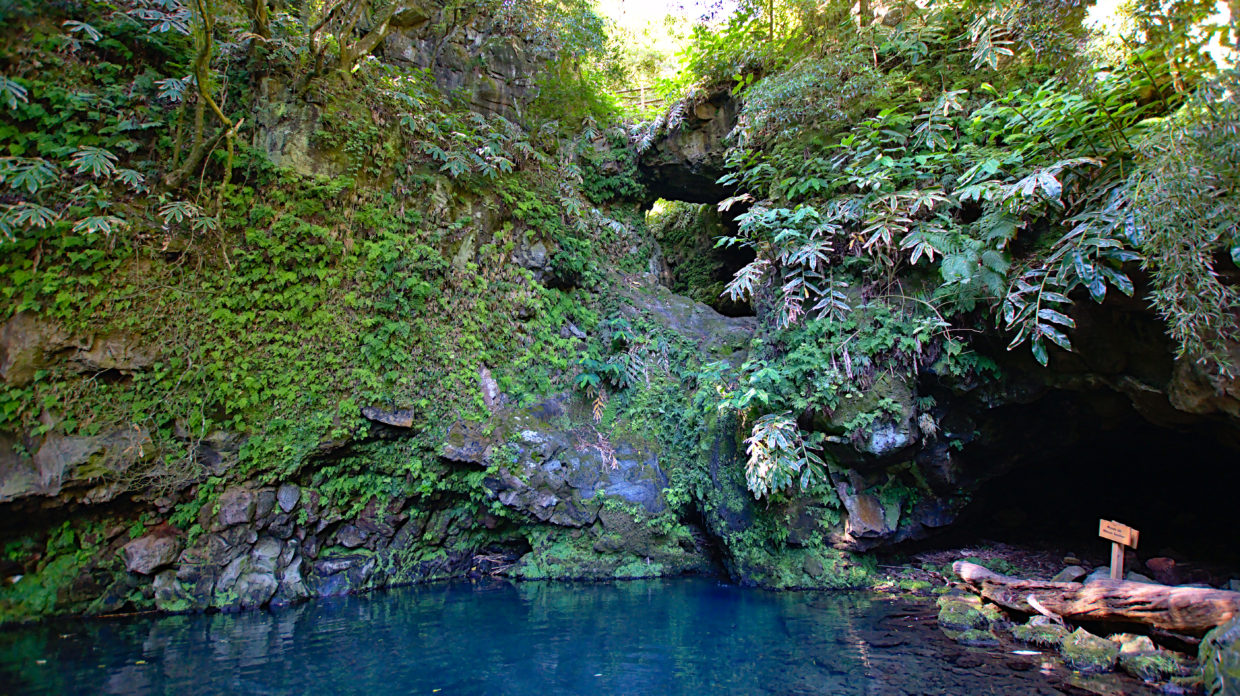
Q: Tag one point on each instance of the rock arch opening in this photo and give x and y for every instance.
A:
(689, 262)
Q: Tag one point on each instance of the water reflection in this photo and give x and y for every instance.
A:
(638, 637)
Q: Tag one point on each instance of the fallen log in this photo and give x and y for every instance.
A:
(1184, 610)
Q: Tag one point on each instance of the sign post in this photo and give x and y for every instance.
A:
(1120, 535)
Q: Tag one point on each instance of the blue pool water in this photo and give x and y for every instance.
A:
(664, 637)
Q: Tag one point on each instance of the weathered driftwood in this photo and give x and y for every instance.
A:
(1185, 610)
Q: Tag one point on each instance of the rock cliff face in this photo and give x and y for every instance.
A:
(467, 53)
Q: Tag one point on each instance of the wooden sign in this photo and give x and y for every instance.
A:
(1120, 535)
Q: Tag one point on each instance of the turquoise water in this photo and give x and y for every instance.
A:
(664, 637)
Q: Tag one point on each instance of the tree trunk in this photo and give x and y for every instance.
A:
(1184, 610)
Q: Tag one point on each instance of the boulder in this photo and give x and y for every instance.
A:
(1164, 570)
(1130, 644)
(1085, 652)
(1040, 631)
(236, 506)
(287, 496)
(397, 419)
(149, 553)
(1219, 657)
(890, 435)
(1099, 573)
(254, 589)
(717, 335)
(535, 258)
(962, 612)
(866, 514)
(554, 468)
(1070, 574)
(29, 343)
(170, 595)
(350, 537)
(1155, 665)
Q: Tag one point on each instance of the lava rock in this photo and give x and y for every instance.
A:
(264, 503)
(147, 554)
(169, 594)
(1041, 632)
(350, 536)
(237, 506)
(966, 612)
(255, 589)
(397, 419)
(977, 638)
(287, 496)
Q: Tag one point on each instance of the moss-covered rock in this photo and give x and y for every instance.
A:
(962, 612)
(1040, 632)
(1156, 665)
(975, 638)
(619, 546)
(1085, 652)
(1219, 656)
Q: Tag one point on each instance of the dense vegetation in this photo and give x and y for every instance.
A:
(255, 310)
(957, 168)
(233, 229)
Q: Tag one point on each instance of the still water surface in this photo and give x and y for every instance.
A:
(664, 637)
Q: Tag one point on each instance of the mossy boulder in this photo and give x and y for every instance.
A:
(1041, 632)
(717, 336)
(1085, 652)
(622, 545)
(1219, 656)
(961, 612)
(881, 423)
(977, 638)
(967, 620)
(1157, 665)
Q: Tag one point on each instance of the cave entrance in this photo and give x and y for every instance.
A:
(691, 263)
(1071, 459)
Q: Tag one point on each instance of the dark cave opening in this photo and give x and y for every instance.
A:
(692, 264)
(1071, 459)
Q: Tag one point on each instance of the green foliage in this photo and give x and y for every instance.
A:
(819, 94)
(275, 309)
(52, 564)
(1186, 218)
(686, 234)
(780, 455)
(1014, 194)
(609, 169)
